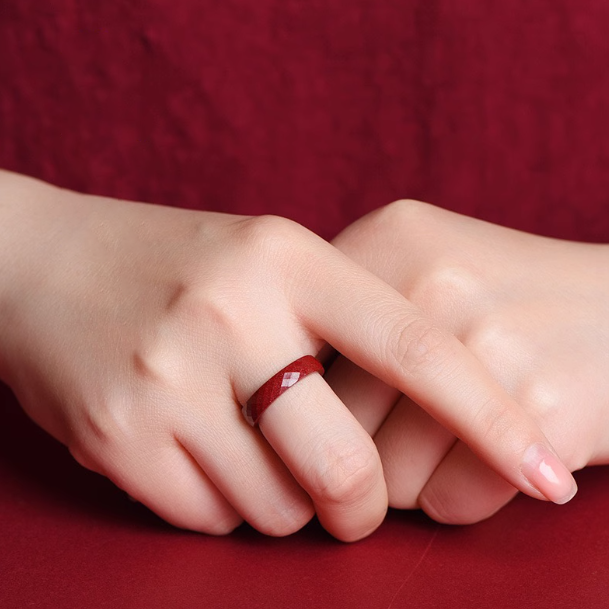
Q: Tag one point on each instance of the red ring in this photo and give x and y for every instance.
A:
(277, 384)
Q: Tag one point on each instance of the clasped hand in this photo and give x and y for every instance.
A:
(133, 333)
(533, 310)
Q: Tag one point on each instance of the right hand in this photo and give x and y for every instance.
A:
(533, 310)
(132, 333)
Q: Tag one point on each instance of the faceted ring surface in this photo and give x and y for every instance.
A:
(279, 383)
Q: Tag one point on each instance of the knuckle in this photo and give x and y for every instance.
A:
(419, 348)
(407, 214)
(446, 287)
(156, 364)
(217, 308)
(106, 423)
(106, 428)
(486, 336)
(493, 335)
(499, 345)
(347, 474)
(407, 209)
(274, 252)
(543, 399)
(269, 233)
(191, 303)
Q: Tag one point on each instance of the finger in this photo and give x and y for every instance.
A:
(411, 445)
(331, 456)
(325, 449)
(463, 490)
(368, 398)
(246, 469)
(171, 484)
(410, 442)
(374, 326)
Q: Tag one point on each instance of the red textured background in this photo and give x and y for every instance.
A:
(319, 111)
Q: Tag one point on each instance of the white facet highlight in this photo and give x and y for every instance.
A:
(289, 378)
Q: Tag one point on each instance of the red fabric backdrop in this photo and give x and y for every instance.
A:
(319, 111)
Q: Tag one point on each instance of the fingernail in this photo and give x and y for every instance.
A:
(546, 472)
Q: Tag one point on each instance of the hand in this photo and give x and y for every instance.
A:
(533, 310)
(132, 333)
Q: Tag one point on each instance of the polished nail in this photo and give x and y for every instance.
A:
(546, 472)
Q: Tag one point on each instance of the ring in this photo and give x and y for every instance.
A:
(277, 384)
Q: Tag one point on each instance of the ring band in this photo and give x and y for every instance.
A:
(277, 384)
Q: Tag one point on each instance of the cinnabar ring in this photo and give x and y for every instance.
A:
(277, 384)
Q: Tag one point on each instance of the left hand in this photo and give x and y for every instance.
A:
(534, 311)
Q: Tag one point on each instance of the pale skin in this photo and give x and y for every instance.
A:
(132, 333)
(534, 311)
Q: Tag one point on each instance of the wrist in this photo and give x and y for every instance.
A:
(31, 234)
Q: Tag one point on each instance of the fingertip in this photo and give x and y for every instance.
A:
(464, 490)
(222, 526)
(546, 473)
(284, 521)
(354, 536)
(350, 529)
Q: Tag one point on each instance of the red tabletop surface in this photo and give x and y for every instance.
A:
(320, 111)
(69, 538)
